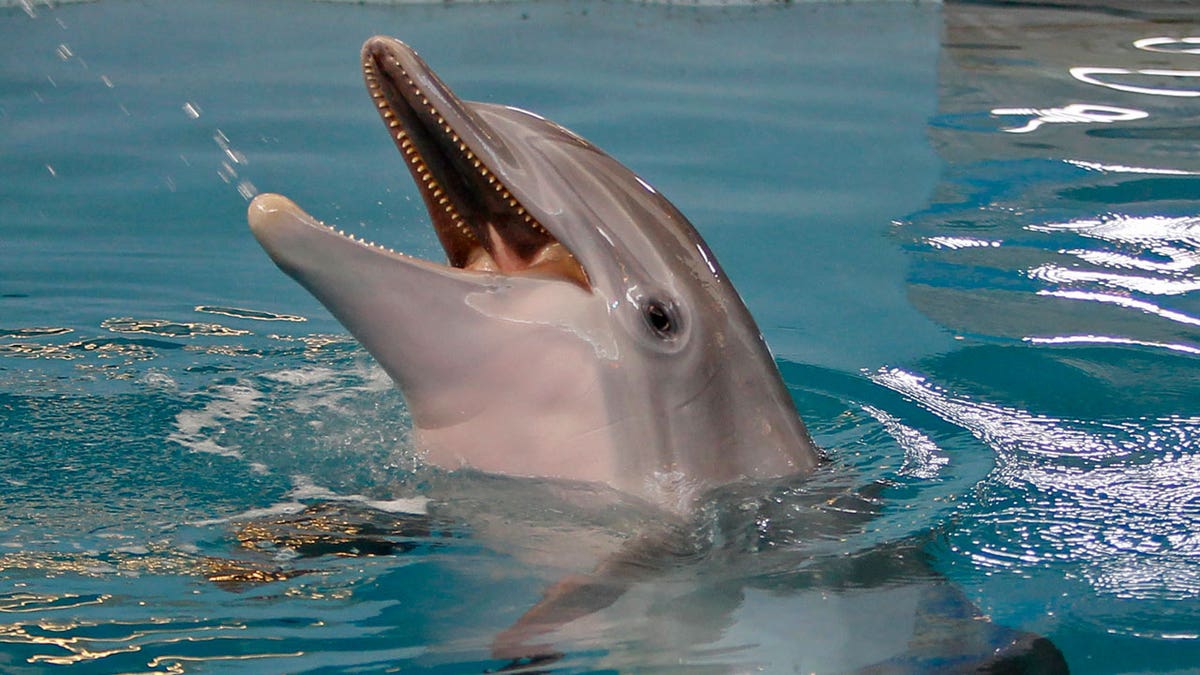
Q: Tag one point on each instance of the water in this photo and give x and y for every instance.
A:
(970, 234)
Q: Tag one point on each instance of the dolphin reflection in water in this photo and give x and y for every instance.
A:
(583, 333)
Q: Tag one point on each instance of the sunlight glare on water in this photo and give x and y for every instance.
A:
(1067, 221)
(1118, 503)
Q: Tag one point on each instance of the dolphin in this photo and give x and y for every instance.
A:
(581, 329)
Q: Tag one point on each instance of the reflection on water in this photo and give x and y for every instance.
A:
(1150, 256)
(1062, 248)
(1117, 502)
(79, 641)
(1102, 170)
(1167, 248)
(1155, 81)
(1076, 113)
(922, 457)
(243, 313)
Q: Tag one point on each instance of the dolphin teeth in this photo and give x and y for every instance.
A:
(385, 75)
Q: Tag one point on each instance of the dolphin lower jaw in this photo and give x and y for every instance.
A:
(479, 222)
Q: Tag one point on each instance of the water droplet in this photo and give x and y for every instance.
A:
(246, 189)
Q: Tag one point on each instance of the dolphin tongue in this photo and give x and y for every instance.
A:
(550, 261)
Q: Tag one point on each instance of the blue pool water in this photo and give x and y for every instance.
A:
(970, 233)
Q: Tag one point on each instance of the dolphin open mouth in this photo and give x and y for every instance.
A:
(479, 222)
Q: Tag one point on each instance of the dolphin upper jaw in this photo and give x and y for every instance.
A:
(459, 165)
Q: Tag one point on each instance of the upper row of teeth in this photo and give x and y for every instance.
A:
(414, 158)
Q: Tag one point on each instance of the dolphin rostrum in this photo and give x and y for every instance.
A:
(581, 329)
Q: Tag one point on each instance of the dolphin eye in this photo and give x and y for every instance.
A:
(661, 318)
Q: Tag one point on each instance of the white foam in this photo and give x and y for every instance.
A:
(302, 376)
(305, 488)
(235, 402)
(280, 509)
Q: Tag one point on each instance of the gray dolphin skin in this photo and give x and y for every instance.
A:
(581, 330)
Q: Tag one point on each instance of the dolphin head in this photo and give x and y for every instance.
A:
(581, 329)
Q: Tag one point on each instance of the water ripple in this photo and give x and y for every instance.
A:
(168, 328)
(32, 332)
(253, 314)
(1110, 340)
(1167, 248)
(1057, 274)
(1122, 301)
(1117, 502)
(922, 457)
